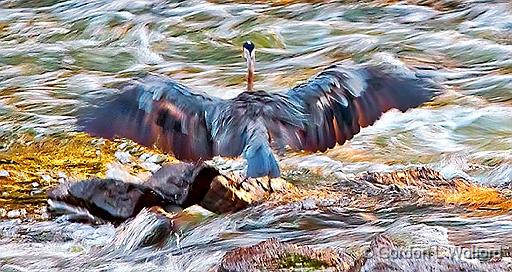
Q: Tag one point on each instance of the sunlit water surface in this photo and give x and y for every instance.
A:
(57, 54)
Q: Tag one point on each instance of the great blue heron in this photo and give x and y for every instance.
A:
(330, 108)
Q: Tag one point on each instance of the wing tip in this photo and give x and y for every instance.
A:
(410, 90)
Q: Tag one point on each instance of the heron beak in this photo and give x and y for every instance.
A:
(246, 54)
(250, 57)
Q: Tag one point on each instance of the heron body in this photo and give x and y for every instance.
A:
(328, 109)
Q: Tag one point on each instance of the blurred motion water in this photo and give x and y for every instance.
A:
(55, 55)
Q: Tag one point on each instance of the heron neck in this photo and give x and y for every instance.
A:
(250, 76)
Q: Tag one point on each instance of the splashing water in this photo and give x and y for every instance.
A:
(56, 55)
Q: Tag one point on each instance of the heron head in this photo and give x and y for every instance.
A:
(249, 51)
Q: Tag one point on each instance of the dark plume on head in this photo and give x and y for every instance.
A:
(249, 46)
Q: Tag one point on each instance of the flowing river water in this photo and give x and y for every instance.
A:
(55, 55)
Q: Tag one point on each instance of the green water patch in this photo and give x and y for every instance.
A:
(304, 263)
(104, 60)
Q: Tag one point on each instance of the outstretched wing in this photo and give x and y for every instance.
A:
(155, 111)
(339, 101)
(330, 108)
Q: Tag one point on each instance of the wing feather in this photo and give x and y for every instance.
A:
(155, 111)
(338, 102)
(328, 109)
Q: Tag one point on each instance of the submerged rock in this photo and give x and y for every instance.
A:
(16, 213)
(421, 238)
(123, 157)
(415, 248)
(148, 228)
(152, 167)
(4, 173)
(420, 177)
(272, 255)
(152, 158)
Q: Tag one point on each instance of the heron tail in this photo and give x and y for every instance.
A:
(262, 163)
(260, 160)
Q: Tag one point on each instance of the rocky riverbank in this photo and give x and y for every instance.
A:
(138, 189)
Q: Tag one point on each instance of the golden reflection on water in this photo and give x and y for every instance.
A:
(52, 160)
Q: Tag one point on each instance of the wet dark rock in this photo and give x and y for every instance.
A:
(16, 213)
(177, 186)
(37, 232)
(272, 255)
(73, 213)
(183, 184)
(109, 199)
(173, 187)
(186, 184)
(221, 198)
